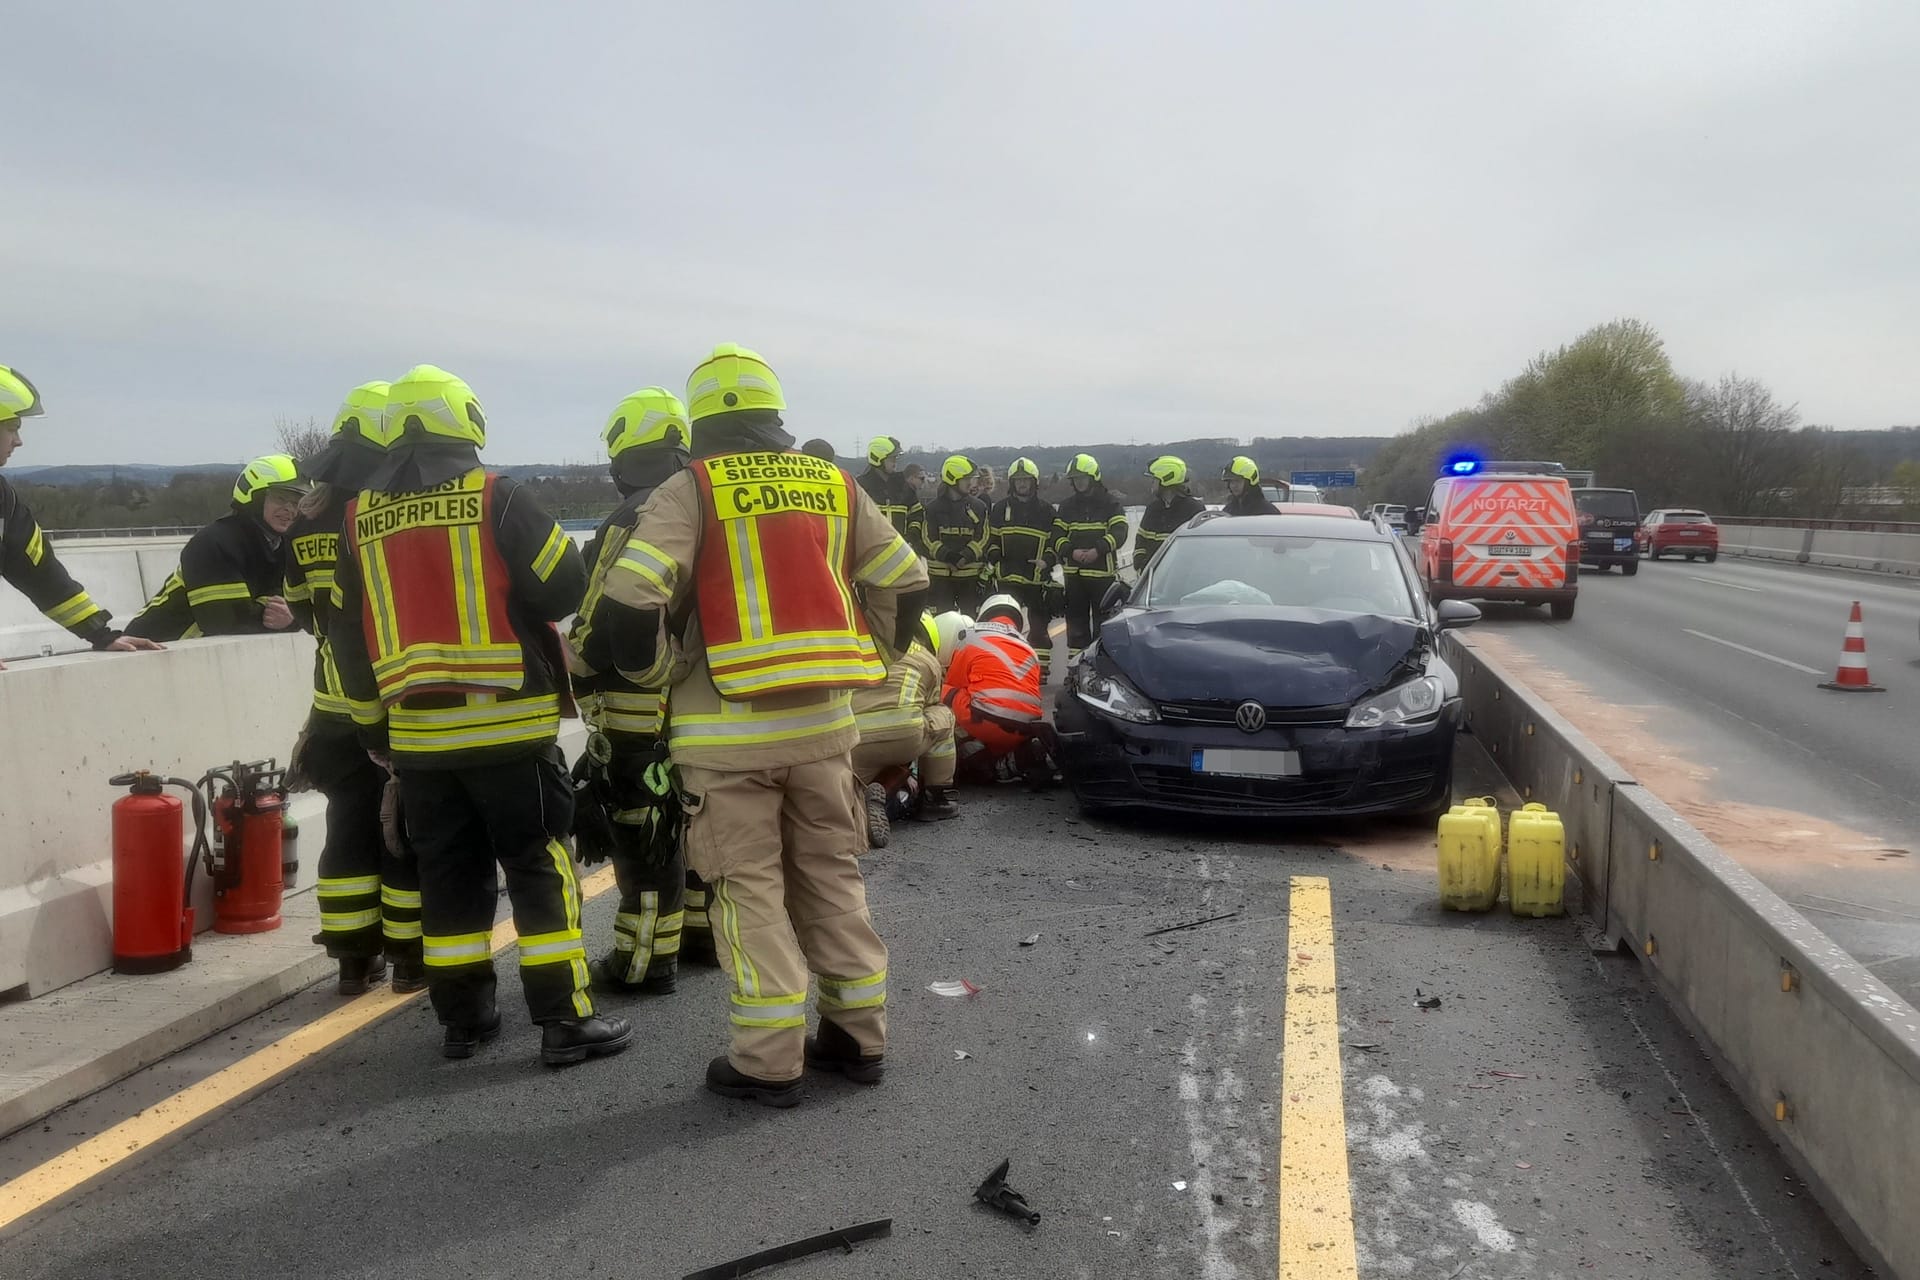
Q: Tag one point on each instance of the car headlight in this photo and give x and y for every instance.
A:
(1113, 695)
(1408, 703)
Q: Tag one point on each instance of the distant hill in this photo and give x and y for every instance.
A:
(144, 473)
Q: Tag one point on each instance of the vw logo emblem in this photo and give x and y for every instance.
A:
(1250, 716)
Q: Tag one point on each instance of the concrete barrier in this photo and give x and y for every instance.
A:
(1878, 552)
(121, 574)
(1822, 1053)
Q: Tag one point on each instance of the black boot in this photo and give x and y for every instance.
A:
(724, 1080)
(662, 976)
(938, 803)
(834, 1050)
(460, 1042)
(409, 974)
(361, 974)
(573, 1040)
(609, 974)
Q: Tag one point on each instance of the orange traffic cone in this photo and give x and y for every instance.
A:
(1852, 675)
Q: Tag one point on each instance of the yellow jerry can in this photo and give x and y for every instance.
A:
(1470, 856)
(1536, 862)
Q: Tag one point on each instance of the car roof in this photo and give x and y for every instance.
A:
(1303, 526)
(1317, 509)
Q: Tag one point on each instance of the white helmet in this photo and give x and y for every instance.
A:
(1004, 603)
(949, 627)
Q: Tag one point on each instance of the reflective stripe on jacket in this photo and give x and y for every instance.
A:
(897, 709)
(1093, 520)
(995, 675)
(1158, 522)
(1020, 530)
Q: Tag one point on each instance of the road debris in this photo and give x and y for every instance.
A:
(954, 989)
(1364, 1048)
(961, 1055)
(1422, 1000)
(1507, 1075)
(1030, 940)
(1191, 924)
(1180, 1185)
(996, 1194)
(843, 1240)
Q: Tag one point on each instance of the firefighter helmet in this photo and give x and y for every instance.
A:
(1083, 464)
(956, 469)
(1003, 605)
(949, 627)
(651, 415)
(730, 379)
(427, 405)
(930, 632)
(1168, 470)
(1244, 467)
(18, 399)
(880, 448)
(363, 414)
(274, 471)
(1022, 467)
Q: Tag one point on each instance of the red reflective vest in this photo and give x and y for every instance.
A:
(773, 577)
(436, 590)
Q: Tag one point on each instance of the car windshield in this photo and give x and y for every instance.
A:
(1615, 504)
(1282, 571)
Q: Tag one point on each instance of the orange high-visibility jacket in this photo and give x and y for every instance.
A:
(993, 685)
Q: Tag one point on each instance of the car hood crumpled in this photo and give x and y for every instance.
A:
(1277, 657)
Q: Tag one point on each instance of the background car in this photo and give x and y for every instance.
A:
(1267, 665)
(1609, 525)
(1680, 531)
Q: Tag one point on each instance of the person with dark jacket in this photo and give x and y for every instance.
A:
(1087, 535)
(233, 574)
(951, 536)
(26, 559)
(886, 485)
(1172, 505)
(1243, 490)
(1020, 552)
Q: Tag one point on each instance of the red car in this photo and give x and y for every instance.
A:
(1680, 531)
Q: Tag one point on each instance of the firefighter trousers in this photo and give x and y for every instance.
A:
(646, 930)
(780, 849)
(932, 748)
(369, 899)
(461, 822)
(1033, 598)
(1083, 608)
(696, 921)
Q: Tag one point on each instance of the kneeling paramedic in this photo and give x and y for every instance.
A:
(993, 686)
(369, 888)
(903, 722)
(627, 807)
(761, 552)
(449, 583)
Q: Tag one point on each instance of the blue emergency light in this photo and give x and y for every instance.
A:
(1463, 466)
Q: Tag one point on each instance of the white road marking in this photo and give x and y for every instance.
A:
(1731, 586)
(1785, 662)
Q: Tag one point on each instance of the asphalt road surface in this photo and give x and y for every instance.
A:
(1547, 1118)
(1723, 662)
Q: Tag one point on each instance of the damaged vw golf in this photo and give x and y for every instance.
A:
(1267, 666)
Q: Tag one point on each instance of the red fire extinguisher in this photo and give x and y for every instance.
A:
(248, 803)
(152, 874)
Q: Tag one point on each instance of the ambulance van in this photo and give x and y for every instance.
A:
(1502, 531)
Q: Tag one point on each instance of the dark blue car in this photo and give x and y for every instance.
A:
(1267, 666)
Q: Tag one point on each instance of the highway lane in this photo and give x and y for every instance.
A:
(1704, 678)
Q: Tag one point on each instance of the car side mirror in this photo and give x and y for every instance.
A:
(1117, 593)
(1454, 614)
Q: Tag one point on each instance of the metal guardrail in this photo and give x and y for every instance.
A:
(1823, 1054)
(1846, 526)
(145, 531)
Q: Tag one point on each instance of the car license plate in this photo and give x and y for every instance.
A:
(1510, 551)
(1689, 533)
(1623, 544)
(1243, 762)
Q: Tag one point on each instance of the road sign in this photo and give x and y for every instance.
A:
(1324, 479)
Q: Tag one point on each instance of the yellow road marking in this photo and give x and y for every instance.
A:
(47, 1182)
(1316, 1200)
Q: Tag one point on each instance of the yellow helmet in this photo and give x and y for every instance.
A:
(651, 415)
(880, 448)
(949, 628)
(1168, 470)
(18, 399)
(730, 379)
(956, 469)
(1083, 464)
(274, 471)
(430, 405)
(364, 413)
(1244, 467)
(1022, 467)
(930, 632)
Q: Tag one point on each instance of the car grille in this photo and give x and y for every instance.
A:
(1181, 784)
(1223, 713)
(1405, 784)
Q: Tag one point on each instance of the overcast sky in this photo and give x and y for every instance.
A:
(979, 223)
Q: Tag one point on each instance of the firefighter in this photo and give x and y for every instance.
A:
(1243, 490)
(1088, 532)
(1171, 506)
(233, 573)
(903, 722)
(993, 687)
(629, 811)
(740, 579)
(885, 484)
(26, 560)
(369, 895)
(449, 582)
(1020, 549)
(952, 536)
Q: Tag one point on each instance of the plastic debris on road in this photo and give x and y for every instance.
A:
(1422, 1000)
(996, 1194)
(1179, 1186)
(954, 989)
(961, 1055)
(1030, 940)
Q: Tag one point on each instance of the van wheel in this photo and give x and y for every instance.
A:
(1629, 567)
(1562, 610)
(1711, 556)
